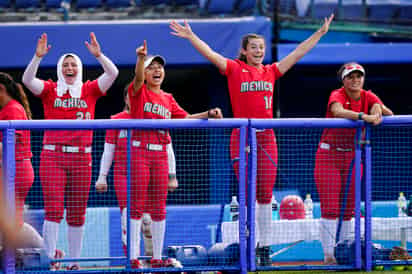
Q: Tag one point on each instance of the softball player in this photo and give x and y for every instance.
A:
(336, 152)
(251, 87)
(65, 166)
(15, 106)
(149, 156)
(115, 148)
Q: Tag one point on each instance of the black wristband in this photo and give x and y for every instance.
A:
(360, 115)
(208, 114)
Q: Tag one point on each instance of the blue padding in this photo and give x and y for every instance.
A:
(377, 53)
(119, 40)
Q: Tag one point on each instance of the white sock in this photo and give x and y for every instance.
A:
(50, 235)
(264, 220)
(158, 233)
(123, 221)
(327, 232)
(135, 238)
(75, 238)
(345, 231)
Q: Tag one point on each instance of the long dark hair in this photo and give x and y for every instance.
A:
(15, 90)
(245, 42)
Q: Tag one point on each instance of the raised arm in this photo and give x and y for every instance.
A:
(105, 80)
(105, 164)
(185, 31)
(292, 58)
(35, 85)
(138, 79)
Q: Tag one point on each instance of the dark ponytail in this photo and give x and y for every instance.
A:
(15, 90)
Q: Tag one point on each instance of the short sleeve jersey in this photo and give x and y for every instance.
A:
(118, 137)
(67, 107)
(13, 110)
(345, 137)
(146, 104)
(251, 89)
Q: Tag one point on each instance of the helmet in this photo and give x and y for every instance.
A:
(292, 208)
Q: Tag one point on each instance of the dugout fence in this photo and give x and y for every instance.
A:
(199, 213)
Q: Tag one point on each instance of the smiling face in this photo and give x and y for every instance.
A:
(69, 69)
(353, 82)
(154, 75)
(254, 52)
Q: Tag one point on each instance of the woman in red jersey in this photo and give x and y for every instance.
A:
(66, 161)
(336, 152)
(251, 85)
(149, 155)
(115, 149)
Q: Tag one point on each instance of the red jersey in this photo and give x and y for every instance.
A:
(69, 108)
(344, 137)
(251, 89)
(118, 137)
(13, 110)
(145, 104)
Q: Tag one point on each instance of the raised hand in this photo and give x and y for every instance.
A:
(184, 31)
(93, 46)
(142, 50)
(325, 27)
(42, 46)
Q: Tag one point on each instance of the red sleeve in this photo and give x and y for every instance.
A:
(49, 87)
(92, 88)
(177, 111)
(372, 99)
(276, 71)
(336, 97)
(111, 136)
(230, 67)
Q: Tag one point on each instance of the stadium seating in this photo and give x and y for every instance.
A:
(246, 6)
(27, 5)
(405, 10)
(89, 4)
(220, 7)
(118, 4)
(4, 3)
(382, 10)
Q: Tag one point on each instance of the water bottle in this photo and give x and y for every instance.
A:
(401, 205)
(234, 209)
(308, 203)
(275, 207)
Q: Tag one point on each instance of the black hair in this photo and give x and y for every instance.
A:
(15, 90)
(245, 42)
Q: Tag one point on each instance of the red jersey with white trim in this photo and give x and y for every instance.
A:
(146, 104)
(69, 108)
(251, 89)
(344, 137)
(118, 137)
(13, 110)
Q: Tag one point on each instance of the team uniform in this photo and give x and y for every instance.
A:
(334, 156)
(149, 155)
(24, 176)
(334, 164)
(65, 161)
(251, 96)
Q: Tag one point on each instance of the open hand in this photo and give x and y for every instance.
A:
(183, 31)
(42, 46)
